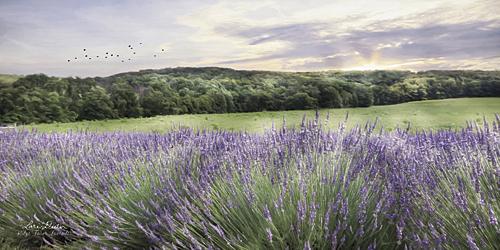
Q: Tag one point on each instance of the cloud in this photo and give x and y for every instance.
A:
(38, 36)
(382, 32)
(456, 41)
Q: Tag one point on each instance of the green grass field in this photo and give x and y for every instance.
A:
(8, 78)
(449, 113)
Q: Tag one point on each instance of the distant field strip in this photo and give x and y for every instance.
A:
(432, 114)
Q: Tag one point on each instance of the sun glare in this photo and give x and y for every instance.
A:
(371, 66)
(373, 62)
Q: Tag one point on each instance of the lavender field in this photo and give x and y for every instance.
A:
(303, 188)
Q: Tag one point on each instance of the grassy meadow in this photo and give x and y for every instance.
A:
(430, 114)
(5, 78)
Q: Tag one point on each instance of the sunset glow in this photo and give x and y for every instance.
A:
(267, 34)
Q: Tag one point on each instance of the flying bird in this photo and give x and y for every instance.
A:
(108, 54)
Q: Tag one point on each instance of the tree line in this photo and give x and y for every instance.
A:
(42, 99)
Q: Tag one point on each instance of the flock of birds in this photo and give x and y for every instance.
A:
(110, 55)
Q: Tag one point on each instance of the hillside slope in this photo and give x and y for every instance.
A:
(449, 113)
(8, 79)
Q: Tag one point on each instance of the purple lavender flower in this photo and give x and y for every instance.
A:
(493, 218)
(470, 242)
(269, 235)
(267, 213)
(179, 189)
(307, 245)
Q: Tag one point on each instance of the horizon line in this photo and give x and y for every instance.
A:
(252, 70)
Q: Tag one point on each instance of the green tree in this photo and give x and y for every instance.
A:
(76, 91)
(125, 100)
(301, 101)
(32, 81)
(158, 102)
(364, 96)
(97, 105)
(329, 96)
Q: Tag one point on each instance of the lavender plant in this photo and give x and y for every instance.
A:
(304, 188)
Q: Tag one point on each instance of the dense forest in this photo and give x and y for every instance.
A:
(42, 99)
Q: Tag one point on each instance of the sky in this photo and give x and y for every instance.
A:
(40, 36)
